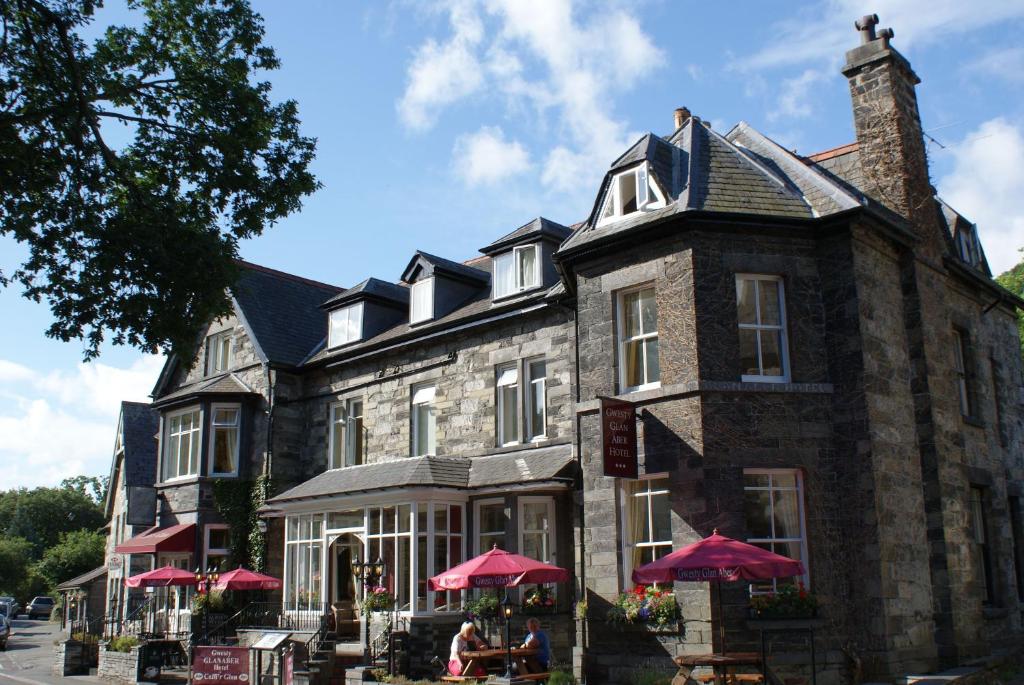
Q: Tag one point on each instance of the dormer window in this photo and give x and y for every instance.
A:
(966, 245)
(421, 301)
(516, 271)
(630, 192)
(346, 325)
(218, 352)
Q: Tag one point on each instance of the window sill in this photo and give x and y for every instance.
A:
(175, 482)
(511, 297)
(972, 421)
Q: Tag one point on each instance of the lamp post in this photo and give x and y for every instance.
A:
(506, 611)
(366, 573)
(203, 582)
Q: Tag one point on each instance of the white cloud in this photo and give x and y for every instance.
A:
(485, 157)
(62, 423)
(1006, 63)
(793, 100)
(986, 185)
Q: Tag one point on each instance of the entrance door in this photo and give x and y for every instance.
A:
(343, 589)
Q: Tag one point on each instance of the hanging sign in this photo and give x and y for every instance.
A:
(289, 667)
(220, 665)
(618, 438)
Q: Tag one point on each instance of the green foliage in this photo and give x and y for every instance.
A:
(485, 606)
(43, 514)
(238, 502)
(581, 609)
(1013, 280)
(214, 602)
(539, 599)
(791, 601)
(95, 487)
(77, 552)
(650, 677)
(645, 604)
(122, 643)
(137, 240)
(377, 599)
(561, 677)
(15, 559)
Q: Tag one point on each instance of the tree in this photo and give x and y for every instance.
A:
(138, 240)
(1013, 280)
(43, 514)
(95, 487)
(76, 553)
(15, 558)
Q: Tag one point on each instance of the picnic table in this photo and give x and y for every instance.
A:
(721, 664)
(483, 657)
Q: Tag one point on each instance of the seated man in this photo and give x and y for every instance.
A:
(537, 639)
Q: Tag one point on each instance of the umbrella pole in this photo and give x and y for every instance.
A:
(721, 617)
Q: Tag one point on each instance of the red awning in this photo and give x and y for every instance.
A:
(179, 538)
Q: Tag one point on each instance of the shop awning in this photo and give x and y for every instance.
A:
(179, 538)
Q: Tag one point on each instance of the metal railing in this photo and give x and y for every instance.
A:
(381, 643)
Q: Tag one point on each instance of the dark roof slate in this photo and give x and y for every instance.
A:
(370, 288)
(538, 228)
(224, 384)
(442, 265)
(84, 579)
(522, 466)
(282, 312)
(139, 425)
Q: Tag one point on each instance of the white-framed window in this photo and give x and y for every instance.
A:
(424, 421)
(537, 528)
(773, 504)
(440, 546)
(639, 367)
(224, 436)
(491, 524)
(421, 300)
(217, 547)
(648, 524)
(218, 352)
(966, 243)
(182, 434)
(516, 271)
(345, 325)
(389, 538)
(508, 404)
(960, 367)
(303, 562)
(761, 313)
(346, 439)
(629, 192)
(536, 399)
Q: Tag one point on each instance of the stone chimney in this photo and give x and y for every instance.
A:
(681, 115)
(892, 151)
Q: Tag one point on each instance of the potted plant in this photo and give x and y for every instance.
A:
(538, 600)
(377, 599)
(483, 608)
(645, 605)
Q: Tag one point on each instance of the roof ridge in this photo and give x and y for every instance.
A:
(284, 274)
(833, 152)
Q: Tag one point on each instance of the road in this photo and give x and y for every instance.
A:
(30, 653)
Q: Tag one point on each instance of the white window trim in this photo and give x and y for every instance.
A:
(782, 327)
(805, 557)
(613, 195)
(960, 373)
(212, 342)
(213, 437)
(165, 426)
(428, 284)
(626, 544)
(552, 531)
(331, 343)
(621, 340)
(220, 551)
(477, 506)
(332, 429)
(499, 404)
(528, 397)
(429, 388)
(517, 286)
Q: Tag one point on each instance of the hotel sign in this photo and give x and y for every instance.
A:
(220, 665)
(618, 438)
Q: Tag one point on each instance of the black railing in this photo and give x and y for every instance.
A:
(275, 615)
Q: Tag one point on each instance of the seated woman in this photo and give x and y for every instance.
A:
(537, 639)
(465, 640)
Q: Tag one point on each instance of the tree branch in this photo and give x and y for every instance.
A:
(142, 120)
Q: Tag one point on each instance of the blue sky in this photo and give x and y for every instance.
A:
(444, 125)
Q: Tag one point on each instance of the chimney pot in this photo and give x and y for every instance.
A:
(681, 115)
(866, 26)
(886, 35)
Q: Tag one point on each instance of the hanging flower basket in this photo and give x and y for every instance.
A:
(377, 599)
(539, 600)
(648, 606)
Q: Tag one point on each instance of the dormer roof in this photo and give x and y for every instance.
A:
(539, 228)
(371, 289)
(424, 264)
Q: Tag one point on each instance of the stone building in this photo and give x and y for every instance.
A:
(822, 365)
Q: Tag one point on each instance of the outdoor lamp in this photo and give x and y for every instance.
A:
(506, 607)
(262, 526)
(379, 567)
(506, 611)
(199, 575)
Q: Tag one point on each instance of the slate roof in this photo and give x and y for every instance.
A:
(139, 425)
(224, 384)
(538, 228)
(282, 311)
(443, 265)
(84, 579)
(521, 466)
(372, 288)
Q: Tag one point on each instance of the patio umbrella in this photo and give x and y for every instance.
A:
(164, 576)
(718, 558)
(497, 568)
(244, 579)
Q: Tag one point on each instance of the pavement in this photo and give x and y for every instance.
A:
(30, 654)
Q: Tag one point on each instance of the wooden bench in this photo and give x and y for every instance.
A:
(731, 678)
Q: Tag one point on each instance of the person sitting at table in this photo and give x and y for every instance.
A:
(537, 639)
(465, 640)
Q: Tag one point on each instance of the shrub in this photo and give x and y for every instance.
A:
(123, 643)
(213, 601)
(651, 677)
(561, 677)
(484, 606)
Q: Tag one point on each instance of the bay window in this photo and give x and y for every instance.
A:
(389, 537)
(224, 440)
(424, 422)
(508, 404)
(516, 271)
(491, 523)
(648, 533)
(639, 367)
(303, 562)
(761, 313)
(346, 439)
(181, 444)
(774, 513)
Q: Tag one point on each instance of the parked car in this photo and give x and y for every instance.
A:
(15, 607)
(40, 607)
(5, 631)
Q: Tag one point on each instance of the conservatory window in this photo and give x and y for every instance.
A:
(302, 562)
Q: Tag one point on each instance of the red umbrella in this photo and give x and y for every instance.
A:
(244, 579)
(718, 558)
(497, 568)
(162, 577)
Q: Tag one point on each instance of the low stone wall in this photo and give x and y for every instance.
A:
(119, 667)
(68, 658)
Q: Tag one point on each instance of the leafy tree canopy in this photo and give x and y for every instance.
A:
(15, 558)
(1013, 280)
(41, 515)
(136, 240)
(93, 486)
(76, 553)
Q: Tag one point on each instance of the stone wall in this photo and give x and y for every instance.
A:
(121, 668)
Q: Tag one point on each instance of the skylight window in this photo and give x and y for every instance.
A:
(630, 192)
(421, 301)
(516, 271)
(346, 325)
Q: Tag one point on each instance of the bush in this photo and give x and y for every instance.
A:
(85, 638)
(561, 677)
(123, 643)
(651, 677)
(213, 601)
